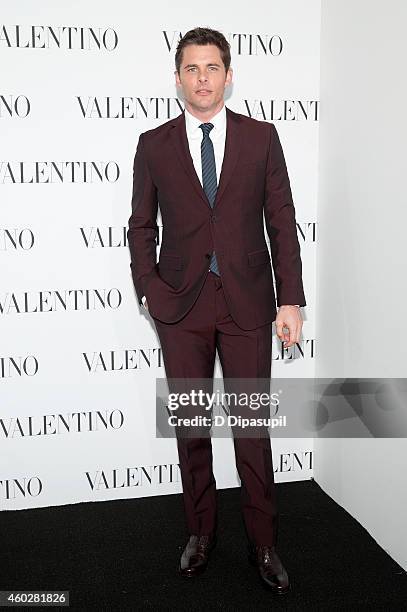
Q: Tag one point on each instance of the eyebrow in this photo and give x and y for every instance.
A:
(196, 65)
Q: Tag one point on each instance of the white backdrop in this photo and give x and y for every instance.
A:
(78, 359)
(367, 477)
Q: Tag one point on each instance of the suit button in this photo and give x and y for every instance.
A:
(213, 218)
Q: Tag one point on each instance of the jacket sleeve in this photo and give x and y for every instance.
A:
(142, 233)
(281, 226)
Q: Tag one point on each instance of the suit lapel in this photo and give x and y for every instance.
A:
(232, 148)
(180, 141)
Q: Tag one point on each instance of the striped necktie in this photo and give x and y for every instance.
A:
(209, 181)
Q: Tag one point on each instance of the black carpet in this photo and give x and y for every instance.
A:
(123, 555)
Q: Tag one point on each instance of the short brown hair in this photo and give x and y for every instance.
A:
(204, 36)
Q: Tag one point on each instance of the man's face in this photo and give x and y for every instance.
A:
(202, 78)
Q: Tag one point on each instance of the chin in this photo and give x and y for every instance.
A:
(200, 105)
(204, 101)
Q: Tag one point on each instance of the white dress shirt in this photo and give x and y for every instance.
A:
(217, 135)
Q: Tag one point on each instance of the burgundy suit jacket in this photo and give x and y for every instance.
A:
(253, 181)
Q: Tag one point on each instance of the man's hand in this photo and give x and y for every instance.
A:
(289, 317)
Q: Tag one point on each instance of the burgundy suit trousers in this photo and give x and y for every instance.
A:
(189, 349)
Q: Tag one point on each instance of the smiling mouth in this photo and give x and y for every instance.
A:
(204, 91)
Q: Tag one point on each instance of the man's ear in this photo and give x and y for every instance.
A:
(177, 79)
(229, 76)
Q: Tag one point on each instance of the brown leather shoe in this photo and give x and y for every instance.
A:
(195, 557)
(270, 568)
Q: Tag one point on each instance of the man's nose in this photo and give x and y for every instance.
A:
(203, 77)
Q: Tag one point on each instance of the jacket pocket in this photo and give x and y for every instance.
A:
(170, 262)
(258, 257)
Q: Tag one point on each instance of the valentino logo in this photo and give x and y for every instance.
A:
(56, 424)
(283, 110)
(14, 106)
(16, 239)
(256, 44)
(10, 367)
(43, 172)
(305, 349)
(58, 37)
(241, 44)
(307, 232)
(140, 476)
(127, 359)
(118, 107)
(64, 300)
(294, 462)
(20, 487)
(102, 237)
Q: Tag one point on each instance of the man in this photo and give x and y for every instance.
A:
(214, 173)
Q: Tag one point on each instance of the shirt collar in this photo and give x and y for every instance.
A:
(192, 123)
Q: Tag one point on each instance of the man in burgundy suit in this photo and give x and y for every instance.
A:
(214, 173)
